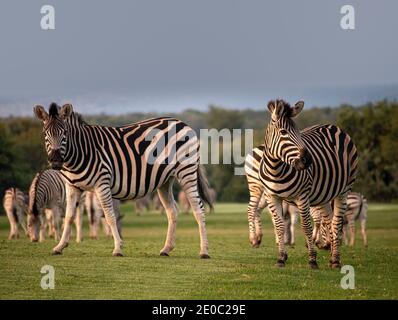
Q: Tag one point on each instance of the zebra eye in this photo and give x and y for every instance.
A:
(283, 132)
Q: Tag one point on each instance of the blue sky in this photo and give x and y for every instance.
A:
(125, 56)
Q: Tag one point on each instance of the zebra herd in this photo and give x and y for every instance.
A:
(309, 173)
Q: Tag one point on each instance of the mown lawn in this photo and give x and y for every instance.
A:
(235, 270)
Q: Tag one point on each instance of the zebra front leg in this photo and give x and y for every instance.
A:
(43, 226)
(165, 193)
(79, 223)
(351, 226)
(105, 198)
(56, 222)
(22, 221)
(275, 208)
(304, 209)
(72, 197)
(340, 207)
(293, 219)
(363, 232)
(255, 232)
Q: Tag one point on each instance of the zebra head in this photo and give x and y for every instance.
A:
(55, 132)
(283, 139)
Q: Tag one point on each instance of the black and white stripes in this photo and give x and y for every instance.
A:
(306, 168)
(126, 162)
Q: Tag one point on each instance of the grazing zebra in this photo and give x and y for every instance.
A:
(125, 163)
(357, 207)
(15, 204)
(47, 206)
(306, 168)
(96, 214)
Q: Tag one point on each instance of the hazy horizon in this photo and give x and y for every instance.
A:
(137, 56)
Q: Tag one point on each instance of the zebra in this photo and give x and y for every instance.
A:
(125, 163)
(95, 214)
(306, 168)
(47, 200)
(15, 204)
(357, 207)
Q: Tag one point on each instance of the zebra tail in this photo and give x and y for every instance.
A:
(32, 196)
(203, 186)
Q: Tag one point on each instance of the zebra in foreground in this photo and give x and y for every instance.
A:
(306, 168)
(125, 163)
(15, 205)
(95, 214)
(47, 200)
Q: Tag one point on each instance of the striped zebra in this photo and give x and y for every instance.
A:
(306, 168)
(47, 200)
(357, 208)
(15, 204)
(95, 214)
(124, 163)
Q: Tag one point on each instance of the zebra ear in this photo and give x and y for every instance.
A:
(40, 113)
(298, 107)
(66, 111)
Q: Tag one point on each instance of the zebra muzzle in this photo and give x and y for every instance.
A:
(55, 160)
(304, 161)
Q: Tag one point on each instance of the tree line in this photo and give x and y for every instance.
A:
(373, 127)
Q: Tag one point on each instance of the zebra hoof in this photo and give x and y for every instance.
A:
(285, 256)
(56, 252)
(280, 263)
(164, 254)
(204, 256)
(313, 265)
(117, 254)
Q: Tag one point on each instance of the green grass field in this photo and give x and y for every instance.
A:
(235, 270)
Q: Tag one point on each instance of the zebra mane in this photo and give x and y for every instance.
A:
(287, 109)
(53, 110)
(78, 117)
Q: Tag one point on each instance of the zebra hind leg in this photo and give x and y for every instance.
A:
(190, 184)
(340, 207)
(166, 197)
